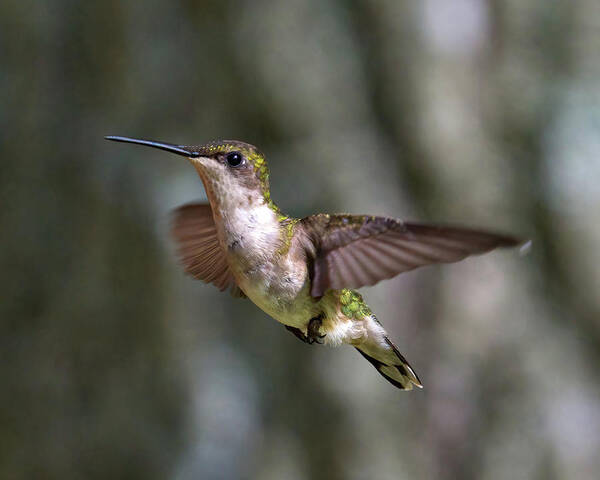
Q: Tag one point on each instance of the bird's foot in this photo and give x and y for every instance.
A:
(298, 333)
(313, 329)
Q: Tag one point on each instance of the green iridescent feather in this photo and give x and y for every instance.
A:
(353, 305)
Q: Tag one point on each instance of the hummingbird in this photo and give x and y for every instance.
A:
(304, 272)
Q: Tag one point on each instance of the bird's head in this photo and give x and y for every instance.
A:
(227, 167)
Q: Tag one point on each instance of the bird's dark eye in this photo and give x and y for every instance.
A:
(234, 159)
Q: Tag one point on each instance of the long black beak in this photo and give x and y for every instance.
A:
(169, 147)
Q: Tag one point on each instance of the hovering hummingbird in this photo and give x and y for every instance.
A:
(303, 272)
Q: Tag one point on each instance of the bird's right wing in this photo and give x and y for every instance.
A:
(201, 254)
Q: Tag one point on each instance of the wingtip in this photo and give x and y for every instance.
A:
(510, 241)
(525, 247)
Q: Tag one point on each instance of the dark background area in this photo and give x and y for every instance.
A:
(481, 112)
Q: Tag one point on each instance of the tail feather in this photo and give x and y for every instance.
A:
(387, 360)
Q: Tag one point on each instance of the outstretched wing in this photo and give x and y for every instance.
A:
(201, 254)
(351, 251)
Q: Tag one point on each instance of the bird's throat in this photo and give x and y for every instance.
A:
(251, 229)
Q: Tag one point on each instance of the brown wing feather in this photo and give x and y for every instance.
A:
(351, 251)
(201, 254)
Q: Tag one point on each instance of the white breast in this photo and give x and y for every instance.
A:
(253, 234)
(250, 233)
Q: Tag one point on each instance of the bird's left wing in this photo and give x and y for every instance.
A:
(201, 254)
(351, 251)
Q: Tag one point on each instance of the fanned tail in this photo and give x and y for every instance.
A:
(379, 350)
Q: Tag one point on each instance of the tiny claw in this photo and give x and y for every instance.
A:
(312, 330)
(298, 333)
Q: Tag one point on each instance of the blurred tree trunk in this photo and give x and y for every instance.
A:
(89, 387)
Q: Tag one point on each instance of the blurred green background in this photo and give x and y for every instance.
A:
(481, 112)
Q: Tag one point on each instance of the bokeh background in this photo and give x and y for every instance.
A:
(481, 112)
